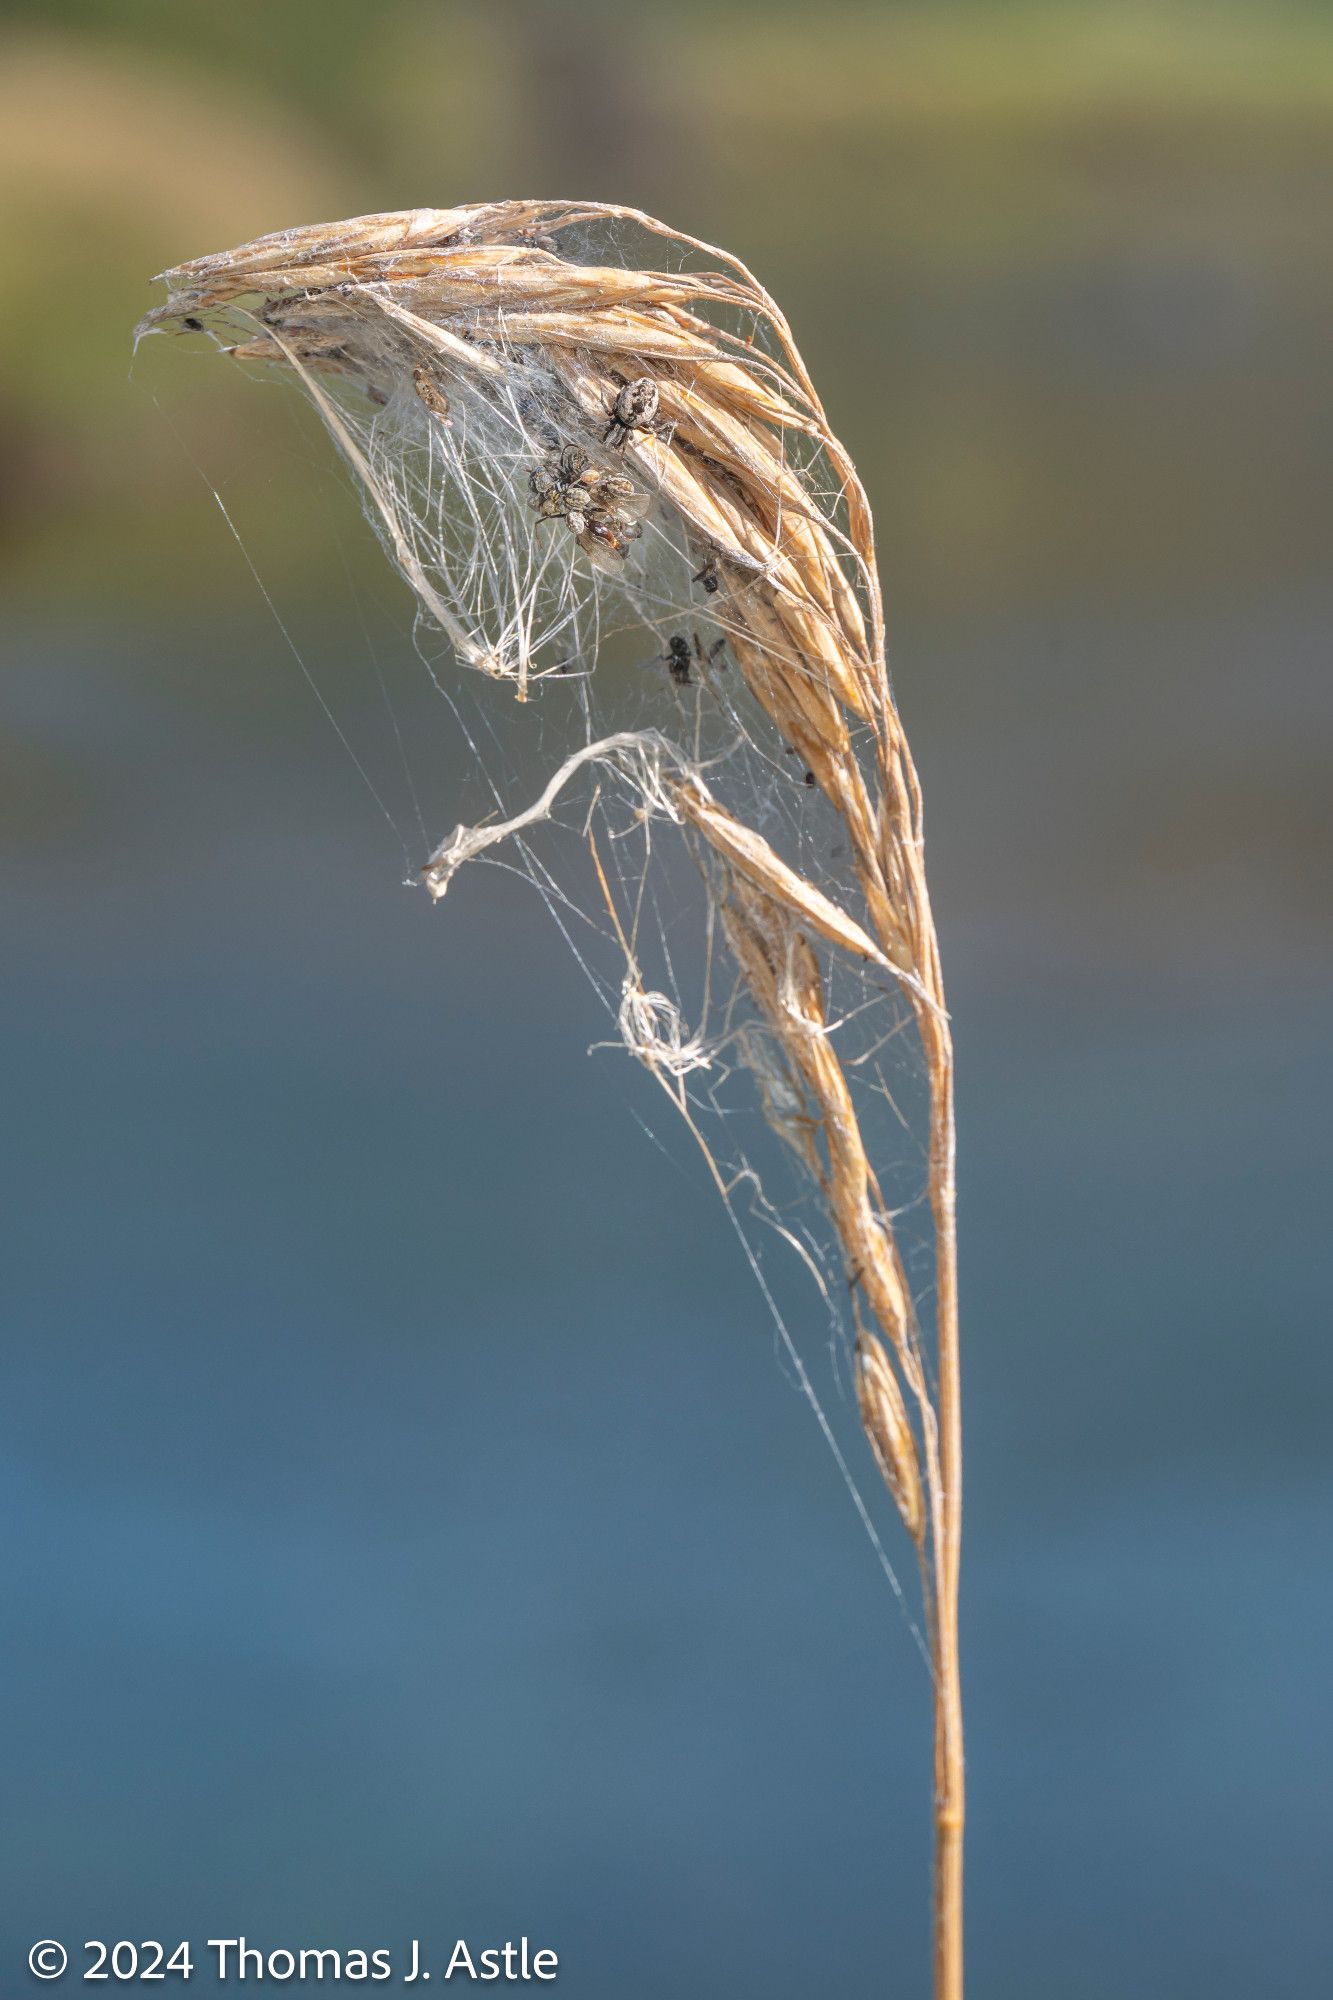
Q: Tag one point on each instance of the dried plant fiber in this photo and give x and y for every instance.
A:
(575, 430)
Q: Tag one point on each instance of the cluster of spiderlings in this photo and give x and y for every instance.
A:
(599, 507)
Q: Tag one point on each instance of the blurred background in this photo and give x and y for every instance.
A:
(409, 1529)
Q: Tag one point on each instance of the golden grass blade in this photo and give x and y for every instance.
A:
(491, 330)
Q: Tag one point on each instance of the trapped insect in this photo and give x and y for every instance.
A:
(606, 539)
(677, 657)
(682, 653)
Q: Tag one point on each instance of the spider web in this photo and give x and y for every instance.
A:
(620, 660)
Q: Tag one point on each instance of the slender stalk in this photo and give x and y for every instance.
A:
(950, 1775)
(475, 352)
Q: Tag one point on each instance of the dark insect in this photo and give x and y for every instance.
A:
(191, 324)
(682, 653)
(809, 778)
(708, 576)
(677, 657)
(635, 409)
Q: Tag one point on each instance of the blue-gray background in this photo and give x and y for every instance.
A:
(408, 1527)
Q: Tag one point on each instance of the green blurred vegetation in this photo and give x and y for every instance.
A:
(1061, 269)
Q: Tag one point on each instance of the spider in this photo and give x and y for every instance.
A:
(634, 409)
(561, 488)
(599, 507)
(677, 657)
(681, 654)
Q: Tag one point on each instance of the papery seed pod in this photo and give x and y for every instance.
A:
(431, 394)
